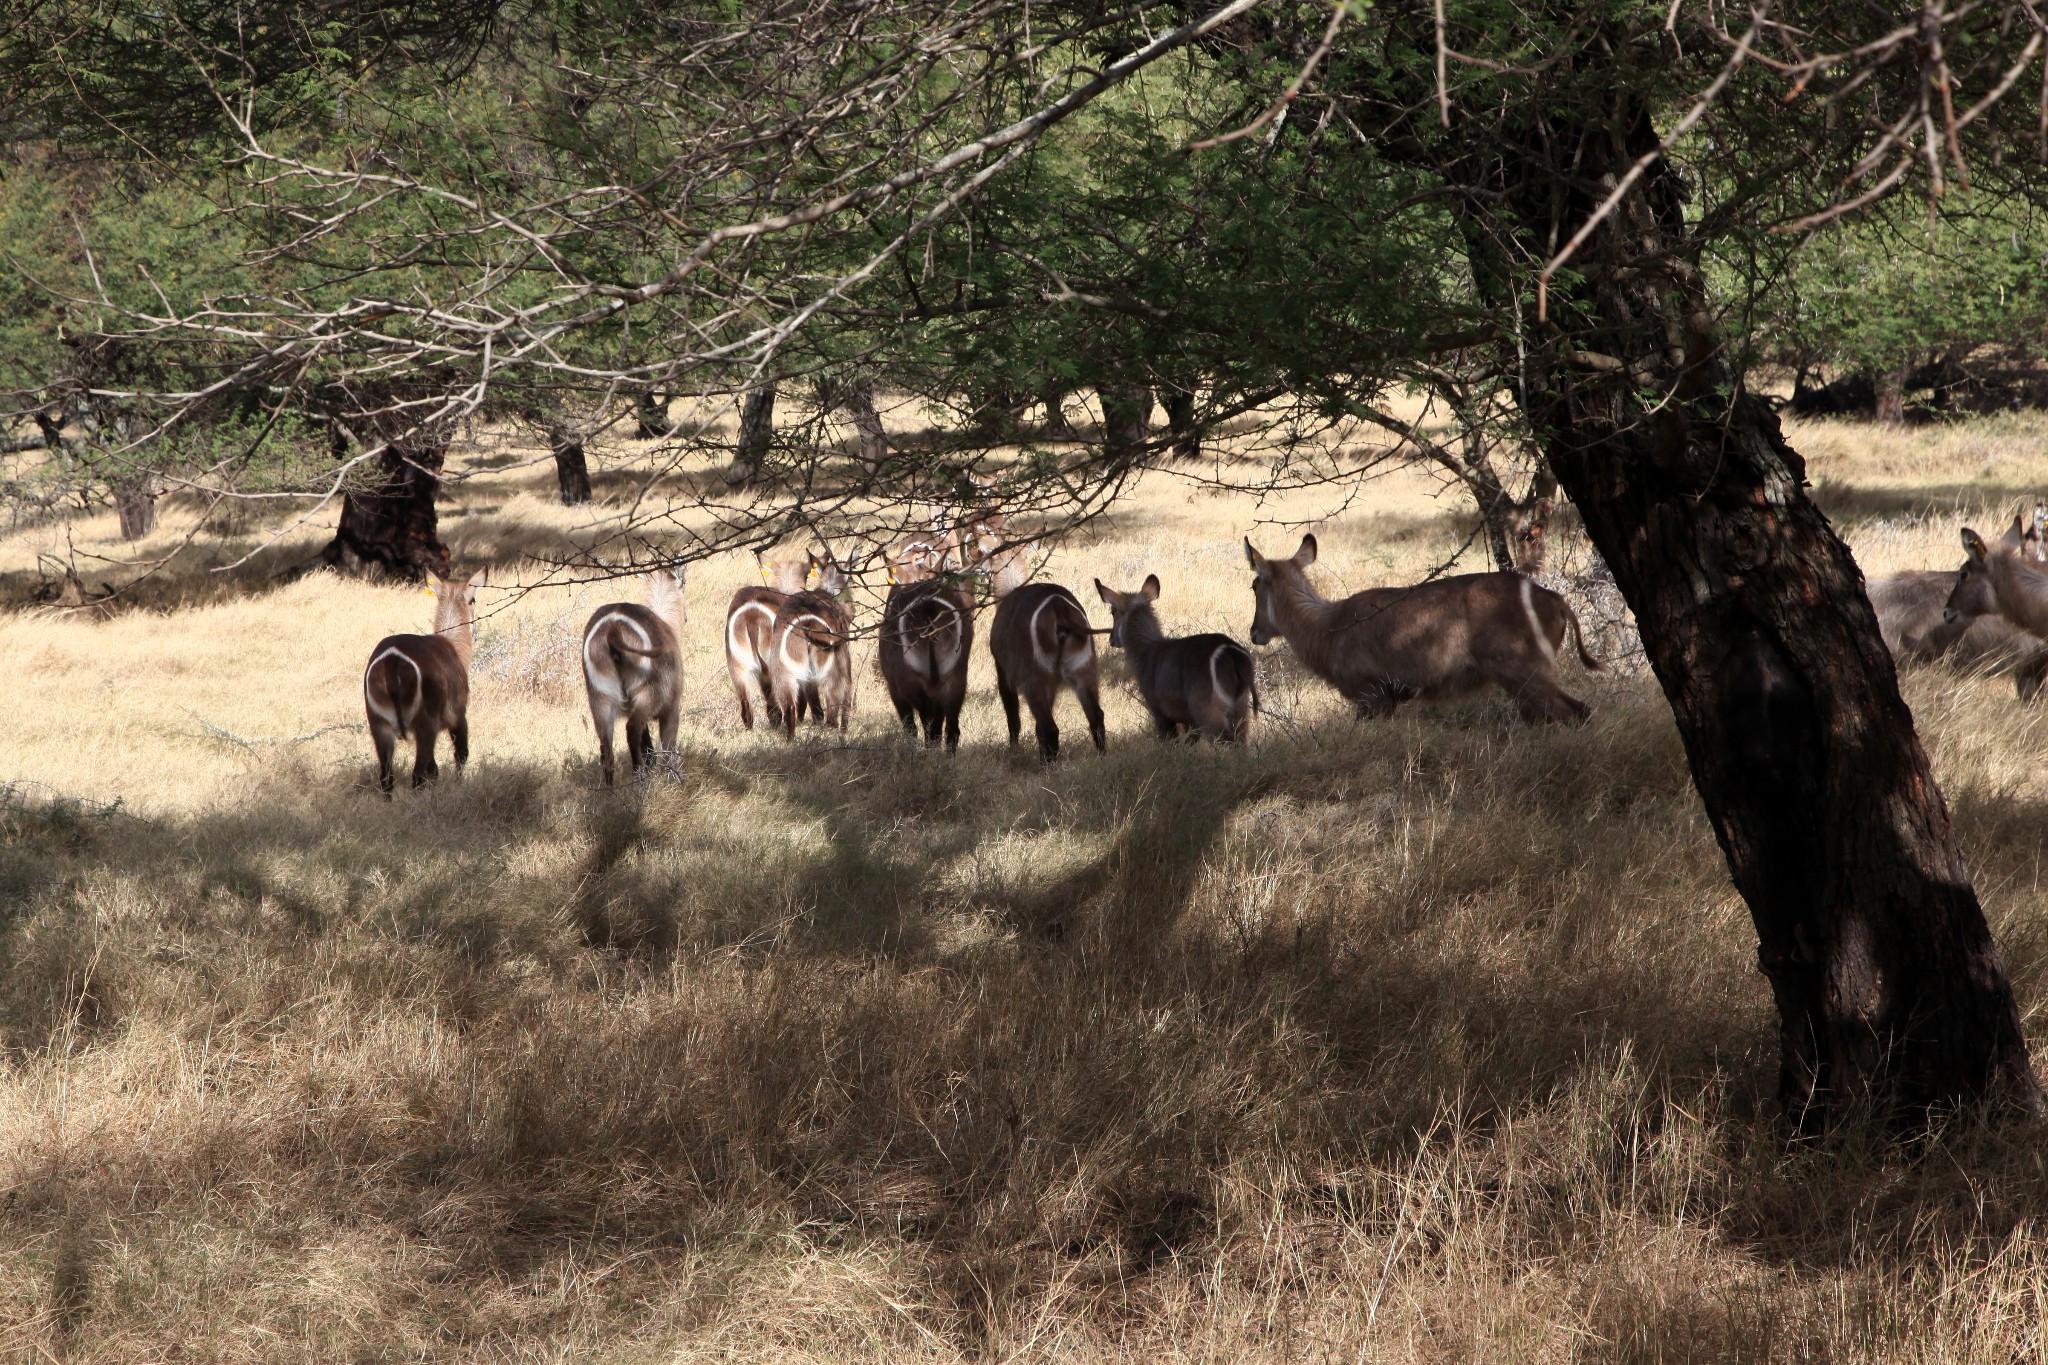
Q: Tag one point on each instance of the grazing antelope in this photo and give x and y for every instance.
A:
(633, 666)
(927, 632)
(416, 686)
(1203, 683)
(1434, 640)
(2001, 581)
(809, 662)
(1041, 639)
(750, 632)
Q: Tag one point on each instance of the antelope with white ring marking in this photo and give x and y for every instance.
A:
(810, 663)
(633, 666)
(927, 633)
(416, 686)
(750, 632)
(1204, 684)
(1041, 640)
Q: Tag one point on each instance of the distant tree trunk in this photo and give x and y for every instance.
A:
(1180, 421)
(1126, 420)
(391, 525)
(1890, 993)
(857, 396)
(757, 432)
(1056, 426)
(996, 417)
(572, 470)
(1891, 397)
(135, 505)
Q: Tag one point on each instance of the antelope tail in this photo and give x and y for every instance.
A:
(400, 689)
(1571, 617)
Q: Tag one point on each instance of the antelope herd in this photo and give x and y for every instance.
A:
(788, 645)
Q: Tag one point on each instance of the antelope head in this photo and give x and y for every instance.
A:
(455, 605)
(1123, 604)
(1266, 573)
(784, 573)
(1976, 590)
(832, 576)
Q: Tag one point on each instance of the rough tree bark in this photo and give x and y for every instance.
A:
(135, 506)
(1890, 993)
(1126, 420)
(391, 524)
(855, 394)
(1891, 397)
(1180, 421)
(1056, 426)
(757, 431)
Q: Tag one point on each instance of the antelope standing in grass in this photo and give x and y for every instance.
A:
(2002, 581)
(750, 632)
(1202, 683)
(1040, 639)
(633, 666)
(927, 633)
(416, 686)
(809, 661)
(1434, 640)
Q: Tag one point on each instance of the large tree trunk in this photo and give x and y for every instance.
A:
(650, 415)
(859, 400)
(391, 525)
(1890, 993)
(757, 432)
(1891, 397)
(1056, 427)
(1180, 421)
(135, 506)
(572, 469)
(1126, 420)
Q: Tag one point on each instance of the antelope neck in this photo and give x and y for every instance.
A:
(1141, 628)
(454, 625)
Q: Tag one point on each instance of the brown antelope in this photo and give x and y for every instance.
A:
(633, 666)
(750, 631)
(927, 632)
(1203, 683)
(1041, 639)
(416, 686)
(2001, 581)
(1434, 640)
(809, 662)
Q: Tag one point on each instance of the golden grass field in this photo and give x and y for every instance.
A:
(1439, 1039)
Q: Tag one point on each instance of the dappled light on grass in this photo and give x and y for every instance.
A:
(1431, 1039)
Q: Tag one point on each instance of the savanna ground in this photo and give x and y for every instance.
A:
(1435, 1039)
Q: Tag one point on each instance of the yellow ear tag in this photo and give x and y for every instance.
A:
(428, 589)
(892, 573)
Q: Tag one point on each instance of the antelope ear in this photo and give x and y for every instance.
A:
(1251, 556)
(1306, 555)
(1151, 588)
(477, 580)
(1107, 595)
(1974, 544)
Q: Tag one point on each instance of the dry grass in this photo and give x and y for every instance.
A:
(1439, 1039)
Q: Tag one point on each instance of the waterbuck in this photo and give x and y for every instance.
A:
(927, 631)
(750, 632)
(1039, 640)
(1434, 640)
(2001, 581)
(633, 665)
(416, 686)
(1203, 683)
(809, 662)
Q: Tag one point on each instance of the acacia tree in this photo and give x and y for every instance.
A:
(889, 182)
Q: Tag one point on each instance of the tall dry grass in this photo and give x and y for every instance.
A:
(1435, 1039)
